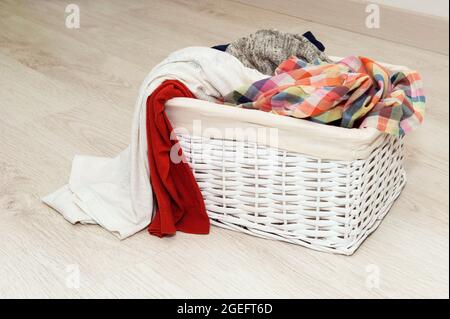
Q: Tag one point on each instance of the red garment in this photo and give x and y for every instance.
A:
(180, 204)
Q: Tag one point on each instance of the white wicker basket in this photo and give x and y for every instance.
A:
(322, 187)
(326, 205)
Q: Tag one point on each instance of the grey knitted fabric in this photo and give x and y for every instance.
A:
(266, 49)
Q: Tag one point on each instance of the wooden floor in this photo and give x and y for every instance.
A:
(70, 91)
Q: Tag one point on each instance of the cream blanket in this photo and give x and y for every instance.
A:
(116, 192)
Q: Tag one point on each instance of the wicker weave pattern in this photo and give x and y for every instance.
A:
(326, 205)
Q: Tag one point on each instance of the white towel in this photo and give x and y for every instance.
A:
(116, 192)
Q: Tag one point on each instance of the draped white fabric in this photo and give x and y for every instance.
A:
(116, 192)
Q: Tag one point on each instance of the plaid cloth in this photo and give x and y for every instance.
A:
(354, 92)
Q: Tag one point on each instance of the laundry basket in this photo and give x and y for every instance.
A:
(322, 187)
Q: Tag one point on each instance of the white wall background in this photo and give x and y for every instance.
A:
(433, 7)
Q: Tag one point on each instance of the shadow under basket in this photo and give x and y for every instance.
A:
(326, 205)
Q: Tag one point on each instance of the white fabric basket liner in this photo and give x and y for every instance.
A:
(293, 134)
(320, 186)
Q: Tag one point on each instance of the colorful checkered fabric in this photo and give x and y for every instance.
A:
(354, 92)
